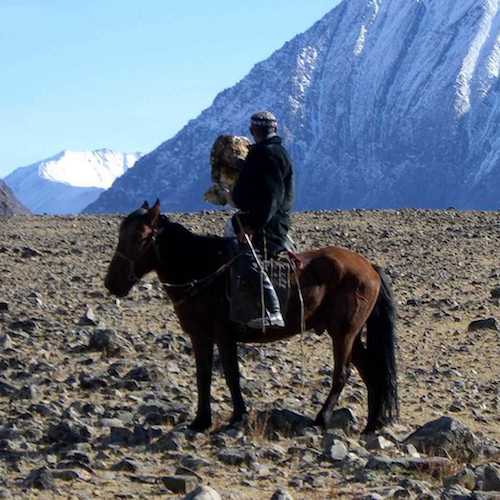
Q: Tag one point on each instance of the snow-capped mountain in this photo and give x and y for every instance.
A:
(382, 103)
(69, 181)
(9, 204)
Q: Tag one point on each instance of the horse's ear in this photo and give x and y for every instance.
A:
(154, 214)
(145, 205)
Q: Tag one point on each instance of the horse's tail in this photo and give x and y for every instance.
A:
(381, 345)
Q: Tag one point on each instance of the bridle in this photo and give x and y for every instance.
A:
(195, 286)
(132, 278)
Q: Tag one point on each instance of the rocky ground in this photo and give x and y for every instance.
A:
(95, 390)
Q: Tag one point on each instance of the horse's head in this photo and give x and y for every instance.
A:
(135, 255)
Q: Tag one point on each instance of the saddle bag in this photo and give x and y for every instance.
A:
(245, 297)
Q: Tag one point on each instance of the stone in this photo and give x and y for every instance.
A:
(28, 253)
(483, 324)
(121, 435)
(41, 479)
(126, 465)
(235, 456)
(106, 341)
(378, 443)
(6, 389)
(337, 451)
(203, 493)
(491, 478)
(68, 433)
(466, 478)
(456, 492)
(285, 422)
(140, 374)
(71, 474)
(180, 484)
(5, 342)
(174, 441)
(342, 418)
(281, 494)
(445, 437)
(195, 463)
(28, 392)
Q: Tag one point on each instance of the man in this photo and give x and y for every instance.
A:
(264, 192)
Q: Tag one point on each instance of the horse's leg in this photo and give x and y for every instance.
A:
(350, 312)
(229, 355)
(361, 362)
(203, 352)
(341, 353)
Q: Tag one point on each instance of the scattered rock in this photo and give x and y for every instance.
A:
(89, 318)
(69, 407)
(281, 495)
(180, 484)
(237, 456)
(203, 493)
(446, 436)
(483, 324)
(466, 479)
(41, 479)
(491, 478)
(105, 341)
(285, 422)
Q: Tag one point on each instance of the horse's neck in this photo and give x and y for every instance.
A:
(185, 255)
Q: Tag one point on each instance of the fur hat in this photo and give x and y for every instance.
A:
(264, 119)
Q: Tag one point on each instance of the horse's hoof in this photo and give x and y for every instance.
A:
(239, 422)
(199, 425)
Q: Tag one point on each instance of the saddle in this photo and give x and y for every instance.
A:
(246, 302)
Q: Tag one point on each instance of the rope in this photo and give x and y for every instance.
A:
(302, 330)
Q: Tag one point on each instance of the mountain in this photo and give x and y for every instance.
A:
(69, 181)
(9, 204)
(381, 103)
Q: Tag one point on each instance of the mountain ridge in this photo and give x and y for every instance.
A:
(381, 105)
(68, 181)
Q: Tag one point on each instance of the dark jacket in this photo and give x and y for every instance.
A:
(264, 192)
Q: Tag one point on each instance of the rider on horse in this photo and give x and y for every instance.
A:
(264, 192)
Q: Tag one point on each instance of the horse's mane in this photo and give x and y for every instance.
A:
(167, 224)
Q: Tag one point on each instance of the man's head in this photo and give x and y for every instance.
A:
(263, 125)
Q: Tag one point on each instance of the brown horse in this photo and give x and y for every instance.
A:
(341, 291)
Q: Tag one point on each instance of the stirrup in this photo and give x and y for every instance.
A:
(272, 320)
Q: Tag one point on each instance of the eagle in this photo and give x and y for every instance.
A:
(226, 158)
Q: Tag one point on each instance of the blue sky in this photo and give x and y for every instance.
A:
(126, 75)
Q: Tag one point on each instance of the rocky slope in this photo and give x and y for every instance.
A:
(381, 103)
(95, 390)
(9, 204)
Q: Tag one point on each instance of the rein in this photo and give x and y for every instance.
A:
(201, 283)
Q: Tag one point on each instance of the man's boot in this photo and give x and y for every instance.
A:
(273, 317)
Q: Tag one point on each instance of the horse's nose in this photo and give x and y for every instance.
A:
(115, 288)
